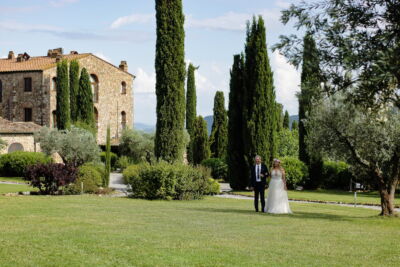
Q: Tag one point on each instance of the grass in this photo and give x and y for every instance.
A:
(103, 231)
(13, 179)
(331, 196)
(15, 188)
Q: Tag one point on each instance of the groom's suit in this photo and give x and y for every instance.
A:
(259, 182)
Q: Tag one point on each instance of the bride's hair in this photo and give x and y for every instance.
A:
(279, 166)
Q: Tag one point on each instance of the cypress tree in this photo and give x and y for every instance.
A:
(286, 120)
(295, 126)
(237, 167)
(85, 100)
(62, 106)
(260, 103)
(310, 90)
(219, 130)
(201, 149)
(191, 114)
(170, 80)
(279, 117)
(73, 89)
(107, 166)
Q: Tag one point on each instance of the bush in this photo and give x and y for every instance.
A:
(114, 159)
(168, 181)
(219, 169)
(15, 163)
(296, 172)
(91, 178)
(336, 175)
(48, 178)
(137, 145)
(123, 162)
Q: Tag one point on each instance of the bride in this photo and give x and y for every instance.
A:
(277, 199)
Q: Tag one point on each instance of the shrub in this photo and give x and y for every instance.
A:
(296, 171)
(15, 163)
(48, 178)
(168, 181)
(219, 169)
(336, 175)
(137, 145)
(123, 162)
(114, 159)
(90, 176)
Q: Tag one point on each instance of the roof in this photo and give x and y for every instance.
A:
(9, 127)
(34, 63)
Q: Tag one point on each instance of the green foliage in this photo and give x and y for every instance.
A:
(107, 169)
(337, 175)
(167, 181)
(3, 144)
(295, 126)
(85, 126)
(90, 177)
(288, 143)
(219, 169)
(170, 80)
(286, 120)
(219, 132)
(73, 89)
(191, 113)
(85, 100)
(201, 149)
(260, 109)
(63, 107)
(113, 156)
(14, 164)
(137, 145)
(237, 167)
(75, 146)
(123, 162)
(279, 117)
(296, 172)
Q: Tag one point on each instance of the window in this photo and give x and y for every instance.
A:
(28, 114)
(1, 91)
(54, 83)
(54, 115)
(15, 147)
(28, 84)
(94, 81)
(123, 119)
(123, 88)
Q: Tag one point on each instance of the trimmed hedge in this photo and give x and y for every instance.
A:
(16, 163)
(219, 169)
(114, 159)
(296, 172)
(169, 181)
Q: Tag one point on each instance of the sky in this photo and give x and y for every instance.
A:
(118, 30)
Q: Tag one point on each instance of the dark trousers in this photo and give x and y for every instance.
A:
(259, 191)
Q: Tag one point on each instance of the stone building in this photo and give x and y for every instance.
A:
(28, 90)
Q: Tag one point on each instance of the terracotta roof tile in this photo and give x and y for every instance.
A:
(7, 126)
(34, 63)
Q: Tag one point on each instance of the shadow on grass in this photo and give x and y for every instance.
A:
(295, 215)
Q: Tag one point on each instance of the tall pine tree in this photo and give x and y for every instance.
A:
(310, 90)
(191, 101)
(219, 131)
(62, 106)
(170, 80)
(260, 110)
(286, 120)
(85, 100)
(201, 149)
(73, 89)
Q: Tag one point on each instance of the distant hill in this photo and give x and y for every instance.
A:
(144, 127)
(209, 120)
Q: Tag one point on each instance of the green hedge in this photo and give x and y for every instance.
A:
(336, 175)
(90, 175)
(169, 181)
(219, 169)
(114, 159)
(15, 163)
(123, 162)
(296, 172)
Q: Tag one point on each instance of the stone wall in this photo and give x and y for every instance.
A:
(26, 140)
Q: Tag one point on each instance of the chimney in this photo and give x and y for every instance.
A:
(53, 53)
(73, 53)
(20, 57)
(11, 55)
(58, 58)
(123, 66)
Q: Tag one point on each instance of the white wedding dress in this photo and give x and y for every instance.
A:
(277, 198)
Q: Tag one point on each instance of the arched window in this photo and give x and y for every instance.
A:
(1, 91)
(123, 88)
(54, 115)
(96, 117)
(54, 83)
(123, 119)
(15, 147)
(94, 81)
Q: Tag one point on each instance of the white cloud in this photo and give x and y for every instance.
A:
(134, 18)
(61, 3)
(102, 56)
(282, 4)
(145, 83)
(287, 81)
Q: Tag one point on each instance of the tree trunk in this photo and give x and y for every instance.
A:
(387, 192)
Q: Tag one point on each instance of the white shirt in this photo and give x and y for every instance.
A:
(258, 166)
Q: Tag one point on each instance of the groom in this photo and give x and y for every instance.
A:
(259, 174)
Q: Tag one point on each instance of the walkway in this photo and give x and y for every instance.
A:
(117, 183)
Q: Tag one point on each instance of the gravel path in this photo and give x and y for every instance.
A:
(117, 183)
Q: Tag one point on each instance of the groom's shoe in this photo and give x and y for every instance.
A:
(256, 210)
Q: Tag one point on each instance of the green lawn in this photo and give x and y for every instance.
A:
(15, 188)
(103, 231)
(330, 196)
(12, 179)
